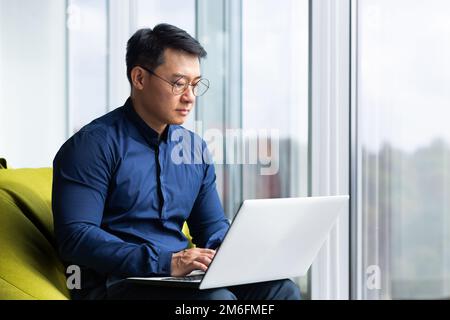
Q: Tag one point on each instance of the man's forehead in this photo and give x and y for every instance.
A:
(182, 64)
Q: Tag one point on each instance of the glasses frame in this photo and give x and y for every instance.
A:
(174, 91)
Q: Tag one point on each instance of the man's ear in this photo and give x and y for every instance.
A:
(137, 78)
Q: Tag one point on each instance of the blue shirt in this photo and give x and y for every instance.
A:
(121, 195)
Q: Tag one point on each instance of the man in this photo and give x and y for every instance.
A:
(119, 198)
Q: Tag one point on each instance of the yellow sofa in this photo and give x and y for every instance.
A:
(29, 264)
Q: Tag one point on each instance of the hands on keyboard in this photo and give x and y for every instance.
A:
(193, 276)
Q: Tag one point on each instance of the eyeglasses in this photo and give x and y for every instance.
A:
(181, 85)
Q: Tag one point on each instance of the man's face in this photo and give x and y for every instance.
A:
(160, 105)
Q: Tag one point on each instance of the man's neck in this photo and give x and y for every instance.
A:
(148, 119)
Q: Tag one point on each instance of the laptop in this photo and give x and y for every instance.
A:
(269, 239)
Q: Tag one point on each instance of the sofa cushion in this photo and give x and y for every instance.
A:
(29, 265)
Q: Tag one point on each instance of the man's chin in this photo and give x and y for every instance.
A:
(178, 121)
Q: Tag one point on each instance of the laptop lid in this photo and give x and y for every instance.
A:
(273, 239)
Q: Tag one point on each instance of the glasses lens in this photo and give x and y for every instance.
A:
(180, 86)
(201, 87)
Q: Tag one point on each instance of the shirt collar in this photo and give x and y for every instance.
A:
(150, 135)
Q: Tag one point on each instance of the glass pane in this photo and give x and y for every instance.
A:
(210, 108)
(87, 27)
(180, 13)
(404, 155)
(32, 81)
(275, 98)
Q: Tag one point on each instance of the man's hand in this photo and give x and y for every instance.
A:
(184, 262)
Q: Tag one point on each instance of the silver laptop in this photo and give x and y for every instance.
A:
(269, 239)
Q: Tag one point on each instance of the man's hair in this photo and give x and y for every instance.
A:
(146, 47)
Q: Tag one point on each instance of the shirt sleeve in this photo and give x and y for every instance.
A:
(82, 170)
(207, 222)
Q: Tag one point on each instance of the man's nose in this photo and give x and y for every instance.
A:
(188, 95)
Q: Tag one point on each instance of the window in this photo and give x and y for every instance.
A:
(403, 149)
(258, 73)
(275, 95)
(87, 61)
(180, 13)
(275, 100)
(32, 81)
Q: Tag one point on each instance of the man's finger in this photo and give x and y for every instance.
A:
(204, 259)
(199, 265)
(207, 254)
(207, 250)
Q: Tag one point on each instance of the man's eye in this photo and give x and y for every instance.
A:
(180, 84)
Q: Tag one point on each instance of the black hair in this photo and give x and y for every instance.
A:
(146, 47)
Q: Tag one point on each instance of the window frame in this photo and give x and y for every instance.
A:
(355, 166)
(330, 138)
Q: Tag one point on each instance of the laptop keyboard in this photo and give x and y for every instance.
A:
(186, 278)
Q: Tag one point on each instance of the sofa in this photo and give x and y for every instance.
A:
(29, 264)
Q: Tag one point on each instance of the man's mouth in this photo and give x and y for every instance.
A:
(183, 112)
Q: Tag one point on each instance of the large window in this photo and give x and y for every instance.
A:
(32, 81)
(403, 146)
(71, 70)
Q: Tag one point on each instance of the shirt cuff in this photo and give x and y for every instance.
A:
(165, 262)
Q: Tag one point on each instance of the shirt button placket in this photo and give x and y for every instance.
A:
(159, 183)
